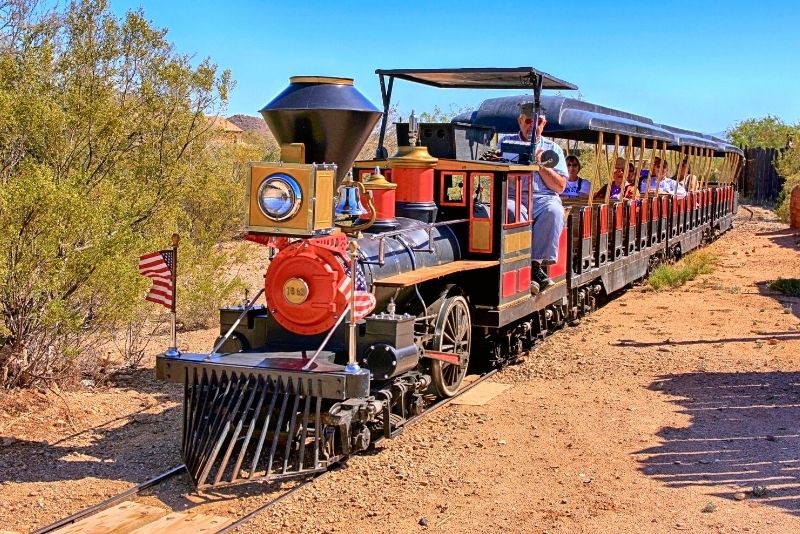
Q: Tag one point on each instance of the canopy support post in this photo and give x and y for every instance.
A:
(537, 109)
(386, 95)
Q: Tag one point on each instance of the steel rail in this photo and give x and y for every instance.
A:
(135, 490)
(86, 512)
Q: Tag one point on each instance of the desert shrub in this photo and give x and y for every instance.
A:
(787, 286)
(772, 132)
(105, 150)
(390, 141)
(688, 268)
(132, 336)
(438, 115)
(782, 203)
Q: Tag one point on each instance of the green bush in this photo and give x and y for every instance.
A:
(105, 151)
(782, 203)
(787, 286)
(676, 275)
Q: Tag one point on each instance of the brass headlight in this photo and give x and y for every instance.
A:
(279, 197)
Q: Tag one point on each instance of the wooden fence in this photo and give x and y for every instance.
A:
(760, 181)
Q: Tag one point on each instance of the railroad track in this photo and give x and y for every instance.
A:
(91, 510)
(121, 498)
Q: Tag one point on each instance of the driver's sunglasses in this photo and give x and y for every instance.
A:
(529, 120)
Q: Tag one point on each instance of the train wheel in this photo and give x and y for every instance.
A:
(453, 334)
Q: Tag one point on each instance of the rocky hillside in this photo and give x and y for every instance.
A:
(249, 123)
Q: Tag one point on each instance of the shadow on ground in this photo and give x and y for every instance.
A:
(762, 336)
(783, 237)
(791, 304)
(744, 432)
(132, 448)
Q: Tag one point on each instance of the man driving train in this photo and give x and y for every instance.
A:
(548, 184)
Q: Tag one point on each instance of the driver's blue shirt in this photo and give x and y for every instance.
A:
(539, 187)
(548, 212)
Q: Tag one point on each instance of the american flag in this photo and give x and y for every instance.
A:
(365, 301)
(158, 267)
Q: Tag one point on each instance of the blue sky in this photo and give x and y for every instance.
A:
(697, 65)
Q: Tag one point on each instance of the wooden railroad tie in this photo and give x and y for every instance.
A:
(135, 518)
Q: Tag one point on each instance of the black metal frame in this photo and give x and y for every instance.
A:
(527, 77)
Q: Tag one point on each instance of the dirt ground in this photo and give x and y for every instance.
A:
(660, 412)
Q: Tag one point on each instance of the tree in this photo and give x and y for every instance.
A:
(772, 132)
(104, 152)
(767, 132)
(437, 115)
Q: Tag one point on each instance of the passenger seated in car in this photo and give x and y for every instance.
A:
(668, 185)
(675, 185)
(548, 184)
(692, 183)
(650, 185)
(616, 183)
(682, 179)
(576, 186)
(630, 182)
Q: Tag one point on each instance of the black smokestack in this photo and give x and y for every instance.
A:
(328, 115)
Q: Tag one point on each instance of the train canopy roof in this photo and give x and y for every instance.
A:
(470, 78)
(479, 78)
(568, 118)
(689, 138)
(724, 147)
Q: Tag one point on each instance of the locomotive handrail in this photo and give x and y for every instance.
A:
(227, 335)
(416, 227)
(322, 345)
(428, 227)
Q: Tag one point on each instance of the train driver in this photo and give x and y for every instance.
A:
(548, 184)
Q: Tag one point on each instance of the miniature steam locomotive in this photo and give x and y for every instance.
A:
(372, 312)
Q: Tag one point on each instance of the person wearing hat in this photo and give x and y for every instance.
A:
(548, 184)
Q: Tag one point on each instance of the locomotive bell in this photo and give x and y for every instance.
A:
(349, 207)
(350, 213)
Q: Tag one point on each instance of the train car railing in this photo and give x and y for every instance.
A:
(673, 219)
(586, 240)
(663, 219)
(617, 244)
(601, 252)
(643, 209)
(630, 233)
(654, 218)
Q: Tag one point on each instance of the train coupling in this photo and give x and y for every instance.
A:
(350, 417)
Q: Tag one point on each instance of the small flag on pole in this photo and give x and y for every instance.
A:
(365, 301)
(158, 266)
